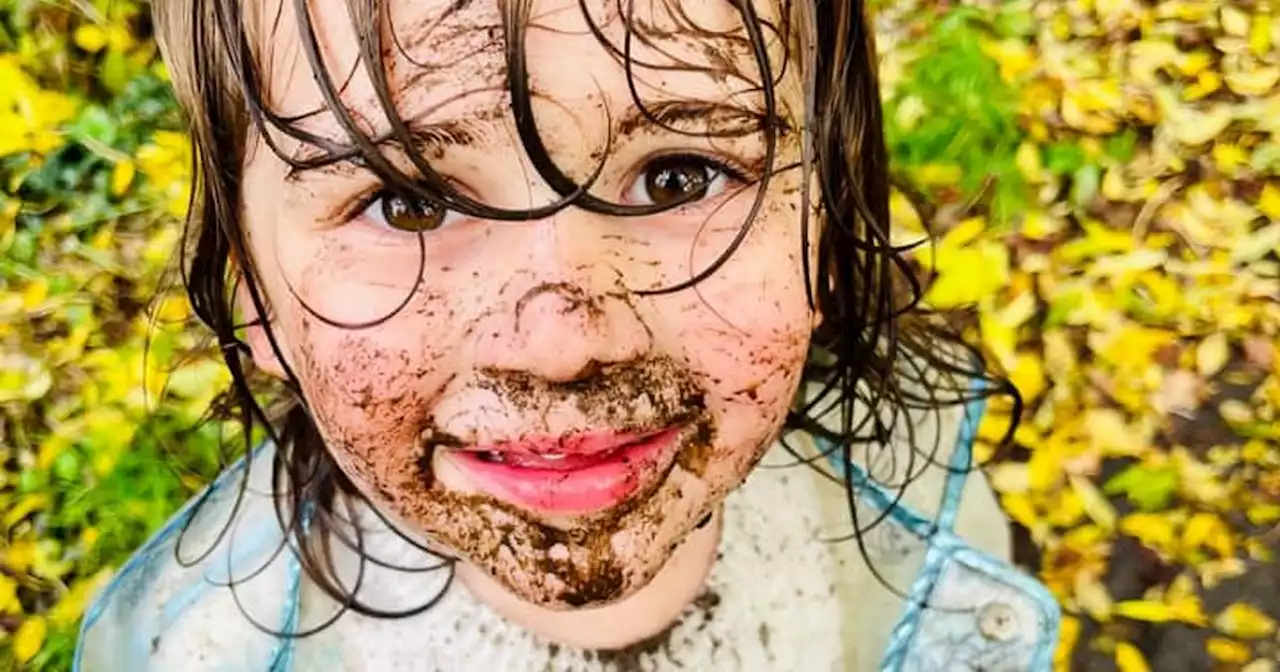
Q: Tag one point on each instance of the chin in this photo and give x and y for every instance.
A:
(574, 562)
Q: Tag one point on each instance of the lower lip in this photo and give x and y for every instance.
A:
(593, 487)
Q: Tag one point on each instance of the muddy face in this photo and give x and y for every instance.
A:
(478, 331)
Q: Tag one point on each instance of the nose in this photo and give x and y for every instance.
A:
(565, 318)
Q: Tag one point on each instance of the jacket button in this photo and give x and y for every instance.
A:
(998, 622)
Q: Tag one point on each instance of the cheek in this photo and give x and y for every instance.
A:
(369, 392)
(750, 369)
(372, 348)
(746, 333)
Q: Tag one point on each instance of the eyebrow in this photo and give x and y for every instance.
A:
(429, 138)
(716, 120)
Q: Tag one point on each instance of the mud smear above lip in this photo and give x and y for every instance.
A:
(637, 398)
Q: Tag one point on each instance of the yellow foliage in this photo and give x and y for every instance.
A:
(1207, 529)
(30, 115)
(1094, 503)
(1269, 202)
(25, 507)
(1130, 659)
(1160, 612)
(69, 609)
(1228, 651)
(1188, 609)
(9, 596)
(1093, 597)
(122, 177)
(1155, 530)
(1212, 353)
(90, 37)
(1213, 572)
(1244, 621)
(29, 638)
(1068, 634)
(1115, 306)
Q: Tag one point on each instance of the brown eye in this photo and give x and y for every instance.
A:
(677, 180)
(407, 214)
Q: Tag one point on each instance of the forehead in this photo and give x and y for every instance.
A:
(452, 57)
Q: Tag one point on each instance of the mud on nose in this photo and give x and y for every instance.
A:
(571, 297)
(561, 332)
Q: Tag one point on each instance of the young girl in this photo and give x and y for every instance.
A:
(557, 288)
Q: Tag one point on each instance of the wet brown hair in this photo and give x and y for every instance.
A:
(874, 349)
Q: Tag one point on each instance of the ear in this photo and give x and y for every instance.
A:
(255, 333)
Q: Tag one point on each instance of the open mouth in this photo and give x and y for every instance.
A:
(614, 468)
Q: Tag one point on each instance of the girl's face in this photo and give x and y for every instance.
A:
(508, 390)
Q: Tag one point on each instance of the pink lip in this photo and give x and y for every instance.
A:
(596, 471)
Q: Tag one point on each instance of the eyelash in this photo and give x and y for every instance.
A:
(719, 167)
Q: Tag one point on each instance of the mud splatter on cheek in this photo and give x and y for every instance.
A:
(368, 397)
(695, 457)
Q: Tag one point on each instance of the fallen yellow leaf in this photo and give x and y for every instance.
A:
(90, 37)
(1186, 610)
(1211, 354)
(1145, 610)
(1263, 513)
(1096, 505)
(1244, 621)
(1068, 634)
(1236, 412)
(1228, 651)
(1214, 572)
(968, 275)
(1130, 659)
(24, 507)
(1253, 81)
(938, 174)
(9, 603)
(1260, 35)
(1209, 530)
(1229, 157)
(1010, 477)
(72, 605)
(1194, 128)
(122, 177)
(1111, 434)
(1093, 597)
(1234, 21)
(29, 638)
(1258, 244)
(1028, 376)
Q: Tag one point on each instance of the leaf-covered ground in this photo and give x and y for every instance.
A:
(1104, 176)
(1124, 265)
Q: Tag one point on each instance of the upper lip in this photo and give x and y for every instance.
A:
(578, 444)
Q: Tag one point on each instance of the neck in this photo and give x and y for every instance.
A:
(638, 617)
